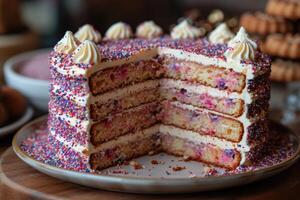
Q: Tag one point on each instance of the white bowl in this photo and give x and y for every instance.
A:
(36, 90)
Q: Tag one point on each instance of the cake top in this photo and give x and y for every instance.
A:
(118, 44)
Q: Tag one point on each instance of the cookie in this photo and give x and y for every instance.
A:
(285, 71)
(285, 46)
(263, 24)
(289, 9)
(13, 101)
(3, 115)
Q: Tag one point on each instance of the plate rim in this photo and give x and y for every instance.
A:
(23, 156)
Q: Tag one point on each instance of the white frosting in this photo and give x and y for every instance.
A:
(241, 47)
(87, 53)
(148, 30)
(67, 44)
(118, 31)
(87, 32)
(184, 31)
(221, 34)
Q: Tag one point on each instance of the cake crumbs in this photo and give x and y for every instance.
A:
(155, 162)
(178, 168)
(209, 171)
(136, 165)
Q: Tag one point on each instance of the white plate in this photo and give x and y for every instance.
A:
(10, 128)
(139, 181)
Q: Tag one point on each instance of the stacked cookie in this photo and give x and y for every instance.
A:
(278, 31)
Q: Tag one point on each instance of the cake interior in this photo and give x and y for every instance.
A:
(175, 106)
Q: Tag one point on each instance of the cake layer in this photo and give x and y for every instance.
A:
(207, 153)
(116, 103)
(128, 121)
(126, 74)
(228, 106)
(125, 148)
(201, 121)
(213, 76)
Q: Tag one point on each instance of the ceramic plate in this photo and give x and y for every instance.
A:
(161, 173)
(10, 128)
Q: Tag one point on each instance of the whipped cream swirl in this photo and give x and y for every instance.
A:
(67, 44)
(87, 32)
(241, 47)
(118, 31)
(184, 30)
(220, 35)
(148, 30)
(87, 53)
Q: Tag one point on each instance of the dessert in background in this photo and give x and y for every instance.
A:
(36, 67)
(117, 98)
(289, 9)
(285, 70)
(285, 46)
(278, 32)
(12, 105)
(207, 23)
(263, 24)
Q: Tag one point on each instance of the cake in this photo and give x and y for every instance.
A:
(119, 97)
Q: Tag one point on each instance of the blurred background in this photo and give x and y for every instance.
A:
(27, 25)
(51, 18)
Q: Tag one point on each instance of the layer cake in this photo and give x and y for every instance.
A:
(120, 97)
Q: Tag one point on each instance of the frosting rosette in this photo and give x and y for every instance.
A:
(184, 30)
(87, 32)
(221, 34)
(67, 44)
(118, 31)
(148, 30)
(241, 47)
(87, 53)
